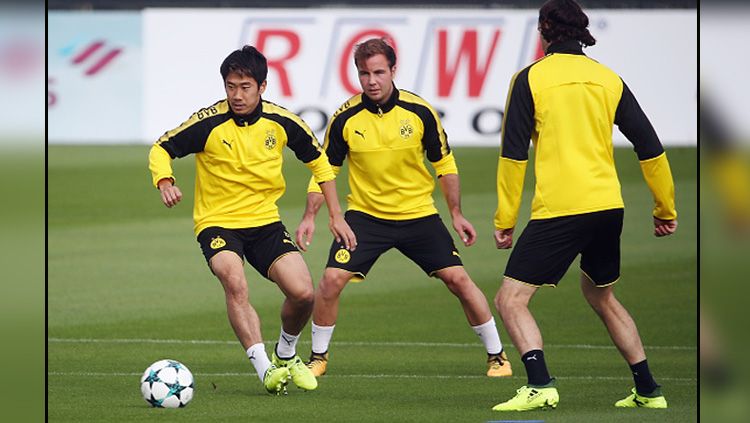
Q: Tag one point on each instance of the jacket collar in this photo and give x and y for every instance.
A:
(250, 118)
(566, 47)
(381, 108)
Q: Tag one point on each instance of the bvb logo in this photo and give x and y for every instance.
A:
(270, 140)
(342, 256)
(406, 129)
(217, 242)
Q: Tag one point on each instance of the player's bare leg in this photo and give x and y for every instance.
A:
(478, 313)
(326, 308)
(512, 303)
(620, 325)
(472, 299)
(293, 278)
(624, 334)
(325, 313)
(228, 267)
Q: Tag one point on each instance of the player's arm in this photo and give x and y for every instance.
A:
(636, 127)
(450, 185)
(305, 146)
(160, 164)
(517, 127)
(435, 144)
(190, 137)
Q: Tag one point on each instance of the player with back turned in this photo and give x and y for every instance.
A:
(568, 104)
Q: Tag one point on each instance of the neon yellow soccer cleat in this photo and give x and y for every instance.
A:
(531, 398)
(275, 379)
(318, 363)
(499, 366)
(300, 374)
(637, 400)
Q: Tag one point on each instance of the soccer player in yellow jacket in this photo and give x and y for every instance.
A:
(386, 133)
(238, 144)
(567, 104)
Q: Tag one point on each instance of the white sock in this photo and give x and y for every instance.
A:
(257, 355)
(321, 337)
(287, 346)
(487, 332)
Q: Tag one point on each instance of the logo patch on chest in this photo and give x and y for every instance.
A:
(270, 141)
(406, 129)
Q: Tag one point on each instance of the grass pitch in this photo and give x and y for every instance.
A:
(128, 285)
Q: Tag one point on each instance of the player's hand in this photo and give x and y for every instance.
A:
(342, 232)
(664, 227)
(465, 230)
(504, 238)
(305, 232)
(170, 193)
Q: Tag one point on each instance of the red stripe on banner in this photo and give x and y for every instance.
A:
(88, 52)
(103, 62)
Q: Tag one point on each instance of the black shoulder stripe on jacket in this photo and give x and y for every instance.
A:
(636, 127)
(191, 137)
(518, 120)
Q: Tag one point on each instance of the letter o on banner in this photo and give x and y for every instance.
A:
(315, 117)
(487, 121)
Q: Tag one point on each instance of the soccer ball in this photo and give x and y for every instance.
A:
(167, 384)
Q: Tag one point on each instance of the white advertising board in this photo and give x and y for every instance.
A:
(460, 60)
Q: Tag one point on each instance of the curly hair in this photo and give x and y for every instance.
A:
(562, 20)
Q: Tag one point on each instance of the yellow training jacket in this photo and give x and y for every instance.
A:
(238, 162)
(567, 104)
(386, 145)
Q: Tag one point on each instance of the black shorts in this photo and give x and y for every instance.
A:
(547, 247)
(424, 240)
(261, 246)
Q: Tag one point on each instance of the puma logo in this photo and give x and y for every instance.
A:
(252, 356)
(228, 144)
(531, 357)
(361, 134)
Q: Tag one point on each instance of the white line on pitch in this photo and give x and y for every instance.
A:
(347, 343)
(373, 376)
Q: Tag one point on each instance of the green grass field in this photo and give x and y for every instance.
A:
(127, 285)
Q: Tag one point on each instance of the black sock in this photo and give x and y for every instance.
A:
(644, 381)
(536, 368)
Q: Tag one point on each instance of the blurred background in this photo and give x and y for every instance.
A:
(725, 211)
(22, 222)
(122, 72)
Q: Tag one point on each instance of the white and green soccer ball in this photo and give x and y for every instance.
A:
(167, 384)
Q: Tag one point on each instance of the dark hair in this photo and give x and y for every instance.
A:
(562, 20)
(247, 61)
(373, 47)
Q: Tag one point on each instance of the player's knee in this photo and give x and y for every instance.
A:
(508, 304)
(458, 282)
(332, 284)
(235, 288)
(601, 302)
(498, 302)
(304, 297)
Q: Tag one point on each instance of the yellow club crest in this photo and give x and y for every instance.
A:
(342, 256)
(217, 242)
